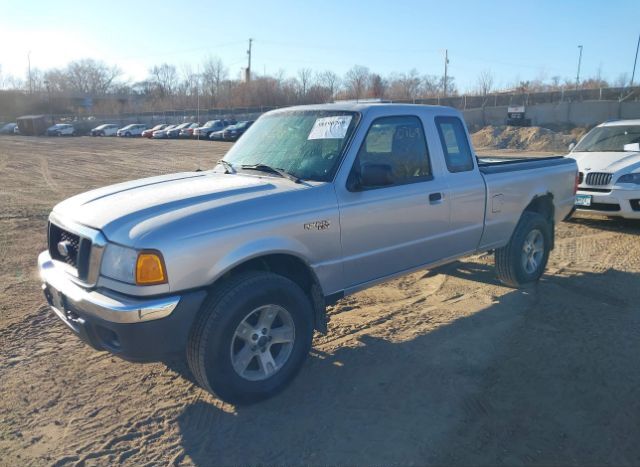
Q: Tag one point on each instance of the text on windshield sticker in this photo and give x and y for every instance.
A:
(330, 127)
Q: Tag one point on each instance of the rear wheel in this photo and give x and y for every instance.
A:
(251, 337)
(523, 260)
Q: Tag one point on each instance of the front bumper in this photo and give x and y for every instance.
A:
(148, 329)
(617, 203)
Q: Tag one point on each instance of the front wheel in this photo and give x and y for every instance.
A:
(523, 260)
(251, 337)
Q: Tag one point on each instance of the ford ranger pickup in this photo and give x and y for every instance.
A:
(233, 267)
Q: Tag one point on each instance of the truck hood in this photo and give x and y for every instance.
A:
(610, 162)
(117, 210)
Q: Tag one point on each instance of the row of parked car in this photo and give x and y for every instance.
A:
(221, 130)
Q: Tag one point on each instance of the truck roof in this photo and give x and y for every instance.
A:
(365, 107)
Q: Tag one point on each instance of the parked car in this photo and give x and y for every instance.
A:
(175, 131)
(135, 129)
(187, 132)
(216, 135)
(149, 132)
(61, 129)
(8, 128)
(235, 266)
(234, 132)
(608, 158)
(212, 125)
(162, 134)
(108, 129)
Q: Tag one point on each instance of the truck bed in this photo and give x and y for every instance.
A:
(493, 165)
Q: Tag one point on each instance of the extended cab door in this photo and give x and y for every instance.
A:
(466, 184)
(394, 207)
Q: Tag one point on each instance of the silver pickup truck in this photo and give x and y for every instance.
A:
(235, 266)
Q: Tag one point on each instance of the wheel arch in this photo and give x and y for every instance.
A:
(290, 265)
(543, 205)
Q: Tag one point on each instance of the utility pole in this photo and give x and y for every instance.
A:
(635, 61)
(29, 71)
(446, 64)
(579, 63)
(248, 72)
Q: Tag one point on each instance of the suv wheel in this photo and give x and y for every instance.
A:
(251, 337)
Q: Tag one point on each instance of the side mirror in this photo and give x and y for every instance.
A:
(374, 175)
(571, 146)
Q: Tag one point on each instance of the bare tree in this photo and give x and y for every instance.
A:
(329, 80)
(91, 77)
(378, 86)
(213, 75)
(357, 81)
(405, 85)
(304, 77)
(431, 85)
(164, 79)
(485, 82)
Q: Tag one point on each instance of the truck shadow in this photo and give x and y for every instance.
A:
(548, 375)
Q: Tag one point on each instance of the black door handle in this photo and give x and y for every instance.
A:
(435, 197)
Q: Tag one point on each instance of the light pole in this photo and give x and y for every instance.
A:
(635, 61)
(579, 63)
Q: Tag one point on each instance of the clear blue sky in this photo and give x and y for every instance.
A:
(513, 39)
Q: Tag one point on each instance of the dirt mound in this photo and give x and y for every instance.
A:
(524, 138)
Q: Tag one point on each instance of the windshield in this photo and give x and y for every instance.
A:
(305, 143)
(609, 138)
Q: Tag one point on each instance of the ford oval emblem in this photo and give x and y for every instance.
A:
(63, 248)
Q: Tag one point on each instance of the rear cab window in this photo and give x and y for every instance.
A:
(455, 144)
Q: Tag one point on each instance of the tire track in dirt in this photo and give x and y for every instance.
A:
(46, 175)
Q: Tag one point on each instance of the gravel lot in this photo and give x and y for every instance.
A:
(441, 367)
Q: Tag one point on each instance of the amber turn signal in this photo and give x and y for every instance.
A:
(150, 268)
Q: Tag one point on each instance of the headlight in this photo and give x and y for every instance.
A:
(119, 263)
(630, 178)
(124, 264)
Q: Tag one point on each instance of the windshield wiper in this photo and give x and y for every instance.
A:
(268, 168)
(228, 167)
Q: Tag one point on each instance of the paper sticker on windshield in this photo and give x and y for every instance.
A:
(330, 127)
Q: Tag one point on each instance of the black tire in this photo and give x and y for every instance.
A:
(510, 260)
(127, 134)
(210, 348)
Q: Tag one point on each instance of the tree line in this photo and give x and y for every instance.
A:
(210, 86)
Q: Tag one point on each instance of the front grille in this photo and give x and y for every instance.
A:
(598, 178)
(595, 190)
(635, 204)
(78, 249)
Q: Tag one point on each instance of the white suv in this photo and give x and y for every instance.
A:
(134, 129)
(608, 159)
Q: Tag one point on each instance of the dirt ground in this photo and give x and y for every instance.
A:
(532, 138)
(440, 367)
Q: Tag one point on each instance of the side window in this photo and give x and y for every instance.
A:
(394, 152)
(455, 144)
